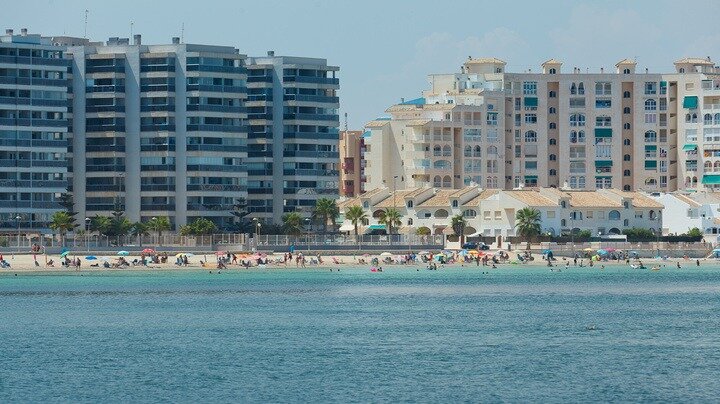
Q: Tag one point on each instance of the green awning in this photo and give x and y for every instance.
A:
(603, 132)
(690, 102)
(690, 147)
(530, 102)
(663, 84)
(711, 179)
(376, 227)
(651, 147)
(531, 177)
(649, 164)
(603, 163)
(603, 176)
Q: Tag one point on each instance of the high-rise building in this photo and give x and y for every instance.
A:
(158, 130)
(33, 130)
(293, 135)
(352, 163)
(609, 129)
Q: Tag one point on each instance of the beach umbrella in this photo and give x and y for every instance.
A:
(602, 252)
(463, 253)
(219, 253)
(91, 258)
(716, 250)
(123, 253)
(148, 251)
(610, 249)
(386, 254)
(547, 252)
(64, 254)
(588, 249)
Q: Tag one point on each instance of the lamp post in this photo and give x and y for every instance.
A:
(307, 239)
(17, 219)
(87, 233)
(154, 221)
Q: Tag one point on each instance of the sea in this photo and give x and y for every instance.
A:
(407, 334)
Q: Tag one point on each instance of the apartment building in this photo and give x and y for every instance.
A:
(33, 130)
(352, 162)
(492, 212)
(293, 135)
(158, 130)
(619, 128)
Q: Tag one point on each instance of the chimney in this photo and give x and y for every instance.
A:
(137, 39)
(23, 31)
(176, 40)
(602, 70)
(9, 31)
(646, 70)
(271, 53)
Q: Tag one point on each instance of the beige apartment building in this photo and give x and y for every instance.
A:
(352, 163)
(616, 128)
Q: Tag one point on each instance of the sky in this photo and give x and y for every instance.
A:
(386, 49)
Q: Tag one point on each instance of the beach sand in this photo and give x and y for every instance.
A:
(26, 263)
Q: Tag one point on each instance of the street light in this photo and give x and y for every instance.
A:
(17, 218)
(154, 220)
(87, 233)
(307, 223)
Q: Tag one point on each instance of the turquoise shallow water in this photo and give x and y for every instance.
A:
(314, 336)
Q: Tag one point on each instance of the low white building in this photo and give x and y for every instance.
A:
(684, 211)
(492, 212)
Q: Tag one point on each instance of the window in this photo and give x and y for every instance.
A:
(552, 125)
(603, 182)
(626, 94)
(577, 167)
(552, 172)
(708, 119)
(614, 215)
(552, 94)
(492, 118)
(530, 118)
(626, 126)
(626, 157)
(626, 188)
(529, 87)
(581, 89)
(531, 165)
(626, 142)
(626, 71)
(577, 120)
(573, 89)
(603, 103)
(553, 157)
(409, 204)
(603, 121)
(530, 137)
(650, 87)
(650, 105)
(626, 173)
(626, 110)
(577, 137)
(650, 136)
(552, 110)
(552, 71)
(603, 88)
(469, 213)
(552, 142)
(577, 102)
(455, 203)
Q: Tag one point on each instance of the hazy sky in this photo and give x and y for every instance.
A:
(385, 49)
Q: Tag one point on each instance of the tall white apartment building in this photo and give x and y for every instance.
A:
(33, 130)
(577, 130)
(158, 130)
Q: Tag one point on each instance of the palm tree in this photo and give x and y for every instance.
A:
(62, 222)
(159, 224)
(528, 223)
(326, 209)
(292, 223)
(356, 214)
(138, 230)
(458, 225)
(391, 218)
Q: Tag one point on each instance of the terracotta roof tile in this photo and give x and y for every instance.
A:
(531, 198)
(398, 198)
(440, 199)
(591, 199)
(638, 200)
(377, 123)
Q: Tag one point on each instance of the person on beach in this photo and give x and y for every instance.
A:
(697, 262)
(678, 264)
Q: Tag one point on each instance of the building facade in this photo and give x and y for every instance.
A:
(618, 129)
(293, 135)
(33, 130)
(158, 130)
(352, 163)
(492, 212)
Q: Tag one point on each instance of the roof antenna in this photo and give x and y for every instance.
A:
(346, 125)
(131, 28)
(86, 16)
(182, 33)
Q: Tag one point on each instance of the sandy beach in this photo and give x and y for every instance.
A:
(51, 263)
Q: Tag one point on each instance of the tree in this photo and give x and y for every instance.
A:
(138, 230)
(528, 223)
(694, 232)
(159, 224)
(391, 218)
(292, 223)
(326, 209)
(199, 227)
(240, 212)
(423, 231)
(458, 225)
(65, 200)
(356, 214)
(61, 222)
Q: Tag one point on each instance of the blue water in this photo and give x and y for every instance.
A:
(317, 336)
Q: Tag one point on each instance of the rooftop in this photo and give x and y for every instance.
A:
(531, 197)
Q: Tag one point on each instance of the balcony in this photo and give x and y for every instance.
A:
(216, 108)
(311, 98)
(310, 135)
(312, 117)
(311, 154)
(311, 79)
(322, 173)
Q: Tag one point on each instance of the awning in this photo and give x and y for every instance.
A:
(603, 163)
(690, 102)
(650, 147)
(530, 101)
(711, 179)
(347, 226)
(650, 164)
(531, 177)
(690, 147)
(376, 227)
(663, 84)
(603, 132)
(604, 176)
